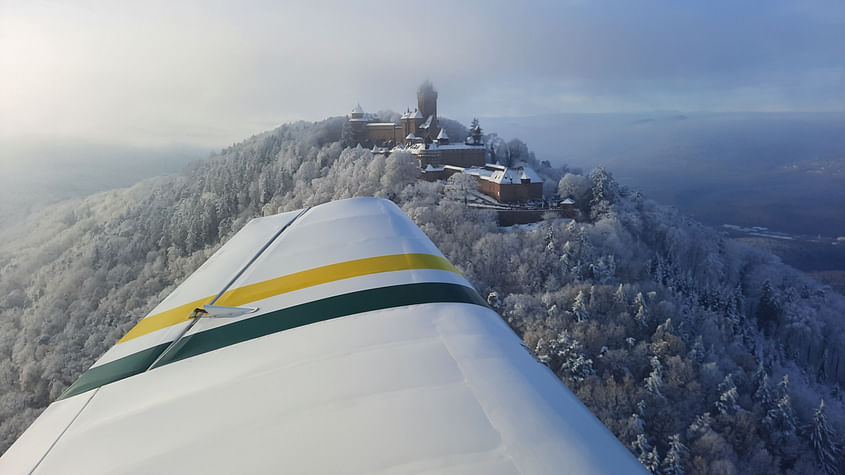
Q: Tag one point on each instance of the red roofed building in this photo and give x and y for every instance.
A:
(506, 185)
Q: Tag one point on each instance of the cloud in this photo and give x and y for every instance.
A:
(213, 72)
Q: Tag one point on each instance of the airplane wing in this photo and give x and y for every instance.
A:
(336, 339)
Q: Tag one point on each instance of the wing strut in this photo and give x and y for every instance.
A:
(199, 313)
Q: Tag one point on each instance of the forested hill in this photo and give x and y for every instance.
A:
(701, 354)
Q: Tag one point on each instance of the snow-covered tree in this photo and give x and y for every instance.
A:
(401, 169)
(825, 443)
(579, 307)
(763, 393)
(727, 403)
(672, 464)
(565, 357)
(652, 461)
(493, 300)
(619, 297)
(641, 310)
(577, 187)
(781, 416)
(460, 185)
(605, 193)
(642, 449)
(768, 308)
(476, 135)
(654, 381)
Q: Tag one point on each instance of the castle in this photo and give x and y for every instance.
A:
(420, 124)
(419, 133)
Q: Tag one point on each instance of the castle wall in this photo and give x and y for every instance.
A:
(382, 132)
(509, 193)
(463, 157)
(437, 174)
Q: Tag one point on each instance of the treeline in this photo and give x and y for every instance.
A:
(701, 354)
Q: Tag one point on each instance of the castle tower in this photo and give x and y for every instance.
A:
(358, 125)
(427, 104)
(410, 123)
(442, 137)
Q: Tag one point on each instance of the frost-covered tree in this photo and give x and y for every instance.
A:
(825, 443)
(641, 310)
(727, 404)
(642, 449)
(579, 307)
(577, 187)
(401, 169)
(702, 425)
(654, 381)
(605, 193)
(672, 463)
(565, 357)
(620, 297)
(781, 416)
(652, 461)
(476, 134)
(493, 300)
(460, 185)
(637, 423)
(763, 393)
(768, 308)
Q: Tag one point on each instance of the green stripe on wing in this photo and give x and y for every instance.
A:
(115, 370)
(273, 322)
(318, 311)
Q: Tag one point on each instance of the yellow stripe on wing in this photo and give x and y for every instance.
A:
(288, 283)
(164, 319)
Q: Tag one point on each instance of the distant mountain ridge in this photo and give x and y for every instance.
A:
(675, 336)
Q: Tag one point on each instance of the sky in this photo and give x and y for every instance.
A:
(210, 73)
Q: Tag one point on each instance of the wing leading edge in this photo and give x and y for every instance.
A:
(363, 351)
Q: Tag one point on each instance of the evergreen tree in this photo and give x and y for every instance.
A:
(551, 238)
(696, 353)
(619, 296)
(475, 134)
(702, 425)
(654, 381)
(605, 193)
(677, 451)
(564, 356)
(642, 310)
(652, 462)
(768, 309)
(637, 423)
(579, 307)
(642, 448)
(727, 403)
(825, 445)
(781, 417)
(763, 394)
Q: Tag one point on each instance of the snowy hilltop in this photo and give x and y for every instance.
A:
(702, 355)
